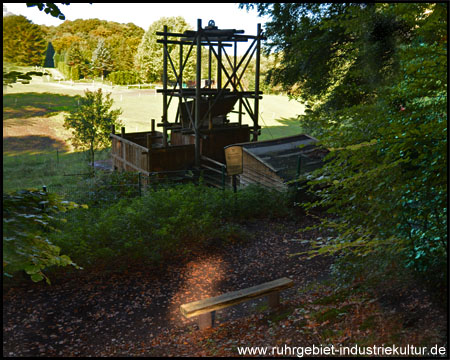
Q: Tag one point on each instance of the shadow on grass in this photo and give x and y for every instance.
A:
(290, 127)
(32, 144)
(27, 105)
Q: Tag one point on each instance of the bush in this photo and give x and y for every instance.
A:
(64, 69)
(124, 77)
(75, 75)
(107, 188)
(163, 223)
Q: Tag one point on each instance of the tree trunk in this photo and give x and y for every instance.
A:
(91, 153)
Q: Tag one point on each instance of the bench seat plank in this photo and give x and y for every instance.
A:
(235, 297)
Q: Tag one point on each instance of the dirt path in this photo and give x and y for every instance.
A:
(90, 315)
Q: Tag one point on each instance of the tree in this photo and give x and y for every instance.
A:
(372, 77)
(76, 57)
(63, 43)
(49, 54)
(102, 62)
(23, 42)
(91, 122)
(149, 57)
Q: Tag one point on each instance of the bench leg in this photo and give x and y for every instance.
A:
(206, 320)
(274, 300)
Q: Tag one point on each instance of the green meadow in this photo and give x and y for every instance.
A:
(36, 150)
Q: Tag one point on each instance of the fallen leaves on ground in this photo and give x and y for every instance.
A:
(136, 313)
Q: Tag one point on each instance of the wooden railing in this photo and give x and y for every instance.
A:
(214, 172)
(128, 155)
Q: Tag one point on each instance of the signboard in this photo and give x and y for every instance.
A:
(233, 158)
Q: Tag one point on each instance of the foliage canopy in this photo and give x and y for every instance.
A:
(23, 42)
(373, 77)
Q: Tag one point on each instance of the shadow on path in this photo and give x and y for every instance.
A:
(15, 145)
(27, 105)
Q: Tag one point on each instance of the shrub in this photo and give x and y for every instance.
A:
(163, 223)
(124, 77)
(108, 187)
(64, 69)
(75, 75)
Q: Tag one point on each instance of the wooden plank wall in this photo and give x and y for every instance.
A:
(213, 146)
(216, 140)
(171, 158)
(130, 156)
(255, 172)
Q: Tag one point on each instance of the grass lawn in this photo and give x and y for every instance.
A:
(36, 150)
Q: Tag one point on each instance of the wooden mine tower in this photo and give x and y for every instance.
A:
(196, 137)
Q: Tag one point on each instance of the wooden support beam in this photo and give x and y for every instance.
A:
(206, 320)
(198, 94)
(149, 141)
(256, 106)
(165, 105)
(176, 42)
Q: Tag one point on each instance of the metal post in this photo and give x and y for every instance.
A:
(299, 164)
(122, 145)
(198, 94)
(164, 116)
(223, 177)
(258, 56)
(139, 183)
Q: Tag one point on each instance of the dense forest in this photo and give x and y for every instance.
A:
(121, 53)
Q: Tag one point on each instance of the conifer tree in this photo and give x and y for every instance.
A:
(102, 62)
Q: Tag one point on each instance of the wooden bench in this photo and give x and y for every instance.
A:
(206, 308)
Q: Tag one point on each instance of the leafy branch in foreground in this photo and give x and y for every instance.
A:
(373, 78)
(29, 216)
(50, 8)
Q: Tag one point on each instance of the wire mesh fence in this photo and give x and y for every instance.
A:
(109, 186)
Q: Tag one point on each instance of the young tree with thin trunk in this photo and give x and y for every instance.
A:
(91, 122)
